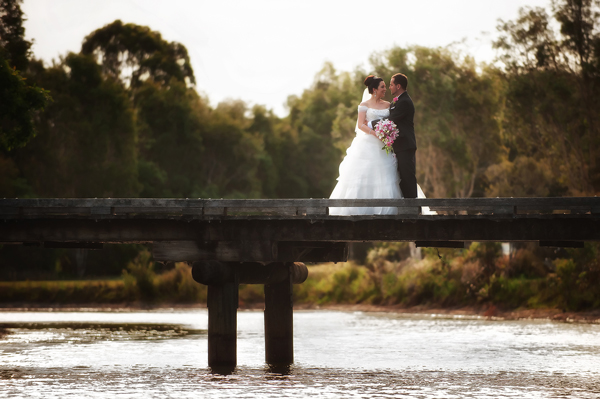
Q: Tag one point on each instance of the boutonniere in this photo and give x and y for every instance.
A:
(395, 100)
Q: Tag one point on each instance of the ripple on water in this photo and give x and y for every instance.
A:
(338, 355)
(90, 332)
(297, 383)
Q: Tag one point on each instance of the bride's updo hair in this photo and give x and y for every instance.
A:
(372, 83)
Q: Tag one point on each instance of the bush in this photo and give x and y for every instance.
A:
(139, 276)
(64, 292)
(578, 279)
(177, 285)
(513, 292)
(342, 283)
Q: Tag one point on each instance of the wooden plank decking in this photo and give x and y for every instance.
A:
(290, 229)
(283, 208)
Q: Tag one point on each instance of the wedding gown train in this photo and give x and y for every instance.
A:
(368, 172)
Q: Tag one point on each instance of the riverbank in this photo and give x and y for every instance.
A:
(477, 282)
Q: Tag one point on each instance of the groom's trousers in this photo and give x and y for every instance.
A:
(407, 168)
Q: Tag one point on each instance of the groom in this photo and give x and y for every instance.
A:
(402, 112)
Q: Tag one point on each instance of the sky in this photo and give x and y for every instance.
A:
(262, 51)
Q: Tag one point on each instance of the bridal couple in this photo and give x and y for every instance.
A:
(368, 171)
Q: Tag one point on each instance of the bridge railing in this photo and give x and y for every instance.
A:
(208, 208)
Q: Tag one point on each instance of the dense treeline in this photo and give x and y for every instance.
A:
(126, 119)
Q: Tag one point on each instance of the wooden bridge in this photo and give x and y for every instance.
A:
(230, 242)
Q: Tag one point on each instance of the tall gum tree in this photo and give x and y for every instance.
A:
(553, 92)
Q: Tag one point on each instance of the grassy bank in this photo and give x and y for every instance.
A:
(531, 278)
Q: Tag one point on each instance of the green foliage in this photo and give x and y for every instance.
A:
(140, 276)
(139, 284)
(419, 284)
(552, 92)
(513, 293)
(523, 177)
(249, 294)
(174, 286)
(20, 102)
(64, 292)
(90, 129)
(178, 286)
(11, 184)
(346, 283)
(389, 251)
(120, 47)
(231, 166)
(478, 128)
(171, 126)
(477, 276)
(317, 139)
(13, 45)
(578, 278)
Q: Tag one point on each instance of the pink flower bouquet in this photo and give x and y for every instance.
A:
(387, 132)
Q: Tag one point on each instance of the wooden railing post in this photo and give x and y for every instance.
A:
(222, 304)
(279, 321)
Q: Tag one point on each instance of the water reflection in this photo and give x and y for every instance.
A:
(89, 332)
(272, 371)
(279, 370)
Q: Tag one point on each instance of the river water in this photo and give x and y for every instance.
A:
(161, 354)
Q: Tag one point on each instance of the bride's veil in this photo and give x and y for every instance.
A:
(365, 97)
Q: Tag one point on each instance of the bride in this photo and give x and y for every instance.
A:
(368, 171)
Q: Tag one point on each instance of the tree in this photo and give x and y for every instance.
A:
(20, 101)
(553, 92)
(316, 141)
(171, 125)
(13, 45)
(579, 22)
(128, 48)
(233, 154)
(87, 141)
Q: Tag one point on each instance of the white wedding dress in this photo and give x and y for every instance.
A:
(368, 172)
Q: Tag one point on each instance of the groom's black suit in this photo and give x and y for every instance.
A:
(402, 113)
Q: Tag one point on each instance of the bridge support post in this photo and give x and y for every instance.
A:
(222, 304)
(279, 321)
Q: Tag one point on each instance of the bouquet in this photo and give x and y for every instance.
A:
(387, 132)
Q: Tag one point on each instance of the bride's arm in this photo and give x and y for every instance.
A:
(362, 116)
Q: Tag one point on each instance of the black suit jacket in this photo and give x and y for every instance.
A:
(402, 113)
